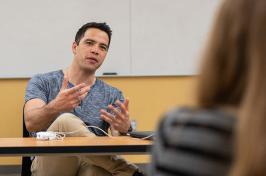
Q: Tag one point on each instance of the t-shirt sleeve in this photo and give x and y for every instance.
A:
(36, 88)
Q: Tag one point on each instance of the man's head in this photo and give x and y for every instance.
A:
(101, 26)
(90, 46)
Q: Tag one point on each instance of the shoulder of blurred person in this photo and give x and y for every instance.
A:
(193, 142)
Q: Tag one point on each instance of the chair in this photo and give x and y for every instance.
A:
(26, 161)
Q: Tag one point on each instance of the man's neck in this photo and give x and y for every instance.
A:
(77, 76)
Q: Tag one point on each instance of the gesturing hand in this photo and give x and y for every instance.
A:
(68, 98)
(119, 120)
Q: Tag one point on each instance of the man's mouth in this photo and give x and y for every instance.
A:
(92, 59)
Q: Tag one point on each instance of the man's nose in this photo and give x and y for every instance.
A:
(95, 50)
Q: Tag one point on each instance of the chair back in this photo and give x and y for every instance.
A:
(26, 161)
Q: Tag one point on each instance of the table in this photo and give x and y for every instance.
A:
(74, 146)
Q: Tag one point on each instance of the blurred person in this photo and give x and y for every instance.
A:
(231, 112)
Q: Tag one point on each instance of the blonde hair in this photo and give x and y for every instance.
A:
(233, 74)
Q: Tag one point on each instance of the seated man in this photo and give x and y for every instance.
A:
(70, 99)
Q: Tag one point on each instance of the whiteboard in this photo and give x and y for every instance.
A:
(36, 35)
(150, 37)
(168, 36)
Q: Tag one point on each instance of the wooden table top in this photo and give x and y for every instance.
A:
(74, 145)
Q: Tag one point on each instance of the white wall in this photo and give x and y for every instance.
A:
(150, 37)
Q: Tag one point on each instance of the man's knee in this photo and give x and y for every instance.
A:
(67, 118)
(66, 122)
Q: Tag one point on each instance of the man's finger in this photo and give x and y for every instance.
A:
(116, 111)
(126, 103)
(123, 106)
(109, 115)
(82, 93)
(106, 117)
(81, 97)
(84, 90)
(76, 88)
(64, 83)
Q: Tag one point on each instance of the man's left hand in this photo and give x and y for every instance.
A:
(119, 120)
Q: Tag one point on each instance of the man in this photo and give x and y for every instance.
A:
(68, 100)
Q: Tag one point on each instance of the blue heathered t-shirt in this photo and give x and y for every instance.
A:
(47, 86)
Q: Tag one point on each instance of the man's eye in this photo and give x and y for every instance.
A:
(104, 48)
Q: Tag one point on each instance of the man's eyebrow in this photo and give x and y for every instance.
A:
(86, 40)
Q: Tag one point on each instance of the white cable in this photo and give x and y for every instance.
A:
(147, 137)
(52, 135)
(90, 126)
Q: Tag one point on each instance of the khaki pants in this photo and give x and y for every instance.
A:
(92, 165)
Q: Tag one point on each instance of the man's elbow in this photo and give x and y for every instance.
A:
(30, 126)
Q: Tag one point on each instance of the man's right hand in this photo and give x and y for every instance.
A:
(69, 98)
(39, 115)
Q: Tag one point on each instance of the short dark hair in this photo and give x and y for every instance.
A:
(101, 26)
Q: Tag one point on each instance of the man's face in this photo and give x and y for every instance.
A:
(91, 51)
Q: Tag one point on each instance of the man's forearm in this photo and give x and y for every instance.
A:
(40, 118)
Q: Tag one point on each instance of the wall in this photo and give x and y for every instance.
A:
(149, 98)
(170, 32)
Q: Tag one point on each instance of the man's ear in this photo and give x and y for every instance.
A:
(74, 47)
